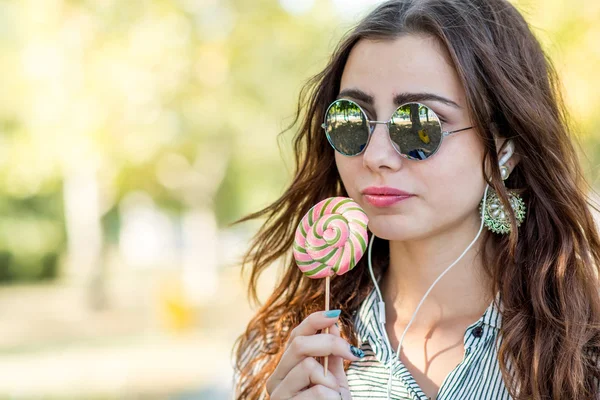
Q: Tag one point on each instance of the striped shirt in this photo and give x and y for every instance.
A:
(476, 377)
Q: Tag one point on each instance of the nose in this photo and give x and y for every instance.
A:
(380, 153)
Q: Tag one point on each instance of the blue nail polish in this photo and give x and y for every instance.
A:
(357, 352)
(332, 313)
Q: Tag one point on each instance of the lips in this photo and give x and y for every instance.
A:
(385, 196)
(385, 191)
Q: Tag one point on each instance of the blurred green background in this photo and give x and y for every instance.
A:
(131, 133)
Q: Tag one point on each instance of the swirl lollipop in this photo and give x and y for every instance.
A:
(330, 240)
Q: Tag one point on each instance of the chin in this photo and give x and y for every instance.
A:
(394, 227)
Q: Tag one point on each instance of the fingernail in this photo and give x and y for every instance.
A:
(357, 352)
(332, 313)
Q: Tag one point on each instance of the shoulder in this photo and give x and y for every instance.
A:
(251, 361)
(252, 348)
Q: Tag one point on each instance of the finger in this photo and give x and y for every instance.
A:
(336, 363)
(318, 392)
(302, 347)
(335, 329)
(308, 373)
(311, 325)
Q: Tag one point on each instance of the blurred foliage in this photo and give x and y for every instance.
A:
(570, 35)
(184, 100)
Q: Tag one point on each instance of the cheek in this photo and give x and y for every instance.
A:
(455, 180)
(349, 169)
(344, 167)
(459, 187)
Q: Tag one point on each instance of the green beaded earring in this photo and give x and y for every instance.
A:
(495, 216)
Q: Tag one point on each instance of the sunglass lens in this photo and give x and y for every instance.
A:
(416, 131)
(346, 127)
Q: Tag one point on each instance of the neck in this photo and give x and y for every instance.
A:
(414, 265)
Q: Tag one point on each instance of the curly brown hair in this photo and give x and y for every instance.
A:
(546, 272)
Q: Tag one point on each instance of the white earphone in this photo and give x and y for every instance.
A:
(509, 150)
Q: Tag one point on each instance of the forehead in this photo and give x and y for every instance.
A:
(409, 63)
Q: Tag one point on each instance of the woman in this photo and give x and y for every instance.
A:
(428, 110)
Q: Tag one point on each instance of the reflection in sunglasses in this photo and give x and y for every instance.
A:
(414, 129)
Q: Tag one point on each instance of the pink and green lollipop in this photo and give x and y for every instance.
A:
(330, 240)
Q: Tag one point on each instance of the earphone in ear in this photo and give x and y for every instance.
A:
(509, 150)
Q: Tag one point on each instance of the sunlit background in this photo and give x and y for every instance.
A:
(132, 132)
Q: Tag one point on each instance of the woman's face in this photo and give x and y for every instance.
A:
(445, 188)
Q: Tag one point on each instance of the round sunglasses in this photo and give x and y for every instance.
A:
(415, 130)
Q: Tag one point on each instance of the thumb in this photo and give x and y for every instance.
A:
(336, 367)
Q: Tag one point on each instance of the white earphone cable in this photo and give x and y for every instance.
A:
(381, 304)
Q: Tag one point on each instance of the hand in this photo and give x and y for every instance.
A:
(299, 376)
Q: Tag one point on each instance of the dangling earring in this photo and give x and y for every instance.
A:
(495, 216)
